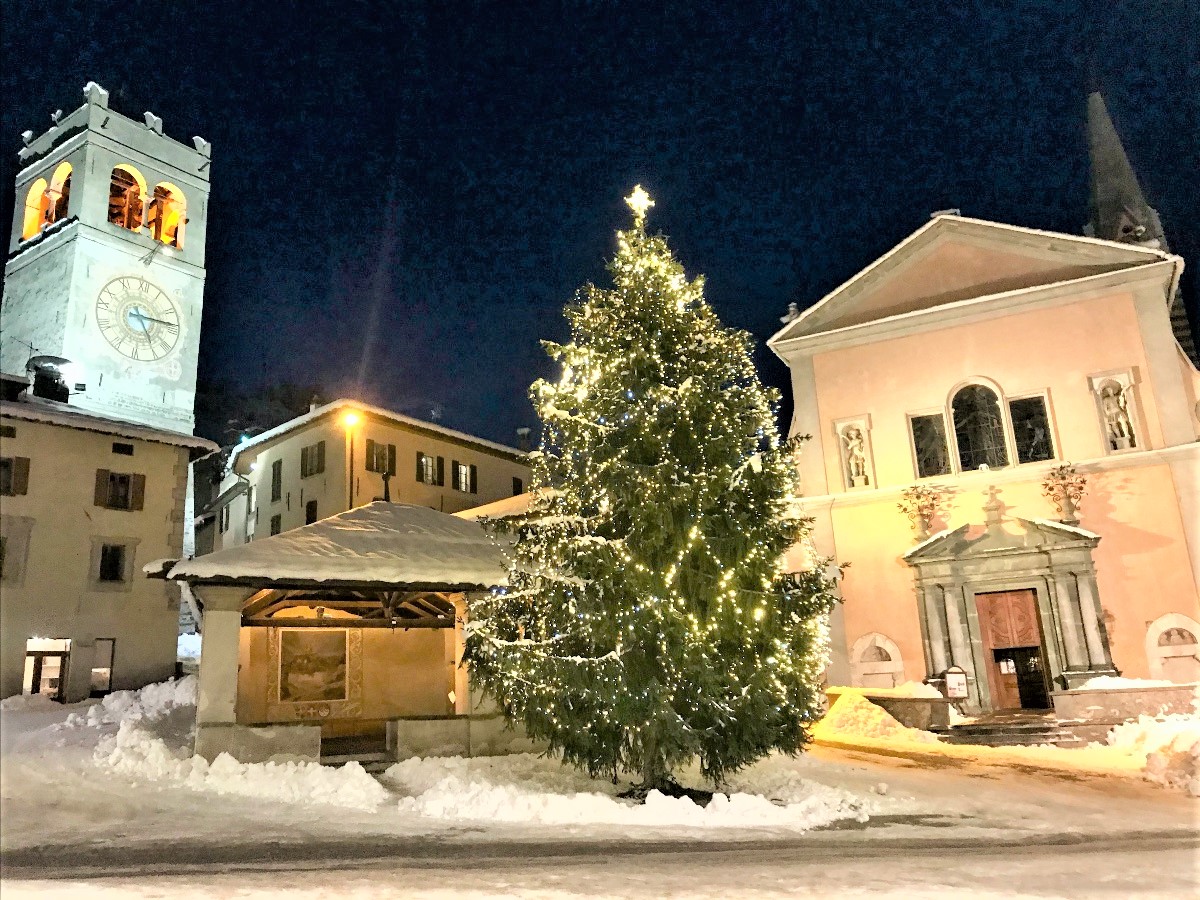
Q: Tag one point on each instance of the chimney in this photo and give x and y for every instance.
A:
(523, 442)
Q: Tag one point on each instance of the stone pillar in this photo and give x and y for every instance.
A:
(935, 602)
(1089, 609)
(960, 646)
(1068, 620)
(216, 701)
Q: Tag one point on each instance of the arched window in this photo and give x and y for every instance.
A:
(59, 193)
(979, 428)
(126, 195)
(167, 214)
(37, 205)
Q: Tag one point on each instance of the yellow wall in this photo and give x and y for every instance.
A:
(57, 596)
(404, 673)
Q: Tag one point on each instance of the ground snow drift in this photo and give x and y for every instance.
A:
(135, 751)
(529, 790)
(854, 716)
(1171, 744)
(154, 701)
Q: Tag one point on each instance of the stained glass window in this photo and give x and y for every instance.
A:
(1031, 429)
(979, 428)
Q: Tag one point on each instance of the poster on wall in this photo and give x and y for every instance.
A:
(312, 665)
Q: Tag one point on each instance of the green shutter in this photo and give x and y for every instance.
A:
(420, 466)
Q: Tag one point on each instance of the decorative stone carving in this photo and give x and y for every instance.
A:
(875, 661)
(1116, 403)
(1172, 648)
(854, 443)
(1065, 487)
(921, 504)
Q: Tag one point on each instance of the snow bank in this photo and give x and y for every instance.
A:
(154, 701)
(188, 647)
(28, 703)
(525, 789)
(134, 751)
(1111, 682)
(854, 716)
(1171, 744)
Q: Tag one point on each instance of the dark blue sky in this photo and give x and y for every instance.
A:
(405, 194)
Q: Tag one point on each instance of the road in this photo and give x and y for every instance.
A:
(984, 834)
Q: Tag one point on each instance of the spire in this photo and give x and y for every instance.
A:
(1119, 209)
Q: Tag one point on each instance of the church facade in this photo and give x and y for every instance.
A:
(1004, 447)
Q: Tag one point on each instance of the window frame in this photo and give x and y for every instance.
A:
(912, 442)
(130, 545)
(277, 481)
(1051, 428)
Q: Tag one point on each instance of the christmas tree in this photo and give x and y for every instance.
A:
(648, 620)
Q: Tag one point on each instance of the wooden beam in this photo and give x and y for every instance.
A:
(398, 623)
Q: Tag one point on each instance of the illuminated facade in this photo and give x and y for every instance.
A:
(945, 388)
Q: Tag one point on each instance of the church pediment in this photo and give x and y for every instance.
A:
(1008, 536)
(953, 259)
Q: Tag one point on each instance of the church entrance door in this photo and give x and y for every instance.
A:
(1012, 640)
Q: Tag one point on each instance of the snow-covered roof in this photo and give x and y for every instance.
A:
(498, 509)
(38, 409)
(381, 545)
(365, 408)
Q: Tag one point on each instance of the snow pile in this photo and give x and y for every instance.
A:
(1111, 682)
(134, 751)
(1171, 744)
(525, 789)
(28, 703)
(853, 716)
(187, 647)
(153, 702)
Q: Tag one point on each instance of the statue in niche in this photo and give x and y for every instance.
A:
(855, 444)
(1114, 403)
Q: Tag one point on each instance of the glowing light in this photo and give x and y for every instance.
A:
(639, 201)
(350, 418)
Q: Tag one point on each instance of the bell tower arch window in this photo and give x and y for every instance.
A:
(58, 195)
(36, 206)
(979, 432)
(167, 214)
(126, 197)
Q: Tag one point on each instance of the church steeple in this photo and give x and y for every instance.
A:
(1119, 208)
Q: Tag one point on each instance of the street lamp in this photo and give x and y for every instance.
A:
(349, 420)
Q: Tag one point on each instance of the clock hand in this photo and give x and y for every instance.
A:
(137, 313)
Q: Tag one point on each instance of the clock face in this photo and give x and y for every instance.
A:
(137, 318)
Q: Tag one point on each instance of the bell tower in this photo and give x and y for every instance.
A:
(104, 282)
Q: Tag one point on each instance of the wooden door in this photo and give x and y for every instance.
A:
(1008, 621)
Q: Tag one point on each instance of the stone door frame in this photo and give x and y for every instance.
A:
(1052, 560)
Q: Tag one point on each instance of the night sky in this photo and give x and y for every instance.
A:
(405, 194)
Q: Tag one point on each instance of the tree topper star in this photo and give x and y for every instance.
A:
(639, 201)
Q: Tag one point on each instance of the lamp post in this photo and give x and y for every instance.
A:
(349, 420)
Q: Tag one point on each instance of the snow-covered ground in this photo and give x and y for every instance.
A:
(113, 780)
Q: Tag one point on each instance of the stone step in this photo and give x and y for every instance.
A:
(374, 763)
(1020, 737)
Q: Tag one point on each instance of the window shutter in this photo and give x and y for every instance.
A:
(441, 470)
(370, 462)
(320, 456)
(20, 475)
(474, 479)
(101, 495)
(420, 466)
(454, 479)
(391, 463)
(303, 462)
(137, 491)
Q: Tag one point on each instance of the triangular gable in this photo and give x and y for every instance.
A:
(953, 258)
(1011, 535)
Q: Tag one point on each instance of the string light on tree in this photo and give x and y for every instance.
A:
(648, 620)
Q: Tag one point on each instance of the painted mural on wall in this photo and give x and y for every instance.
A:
(312, 665)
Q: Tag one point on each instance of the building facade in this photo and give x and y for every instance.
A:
(345, 454)
(943, 387)
(99, 338)
(105, 275)
(85, 502)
